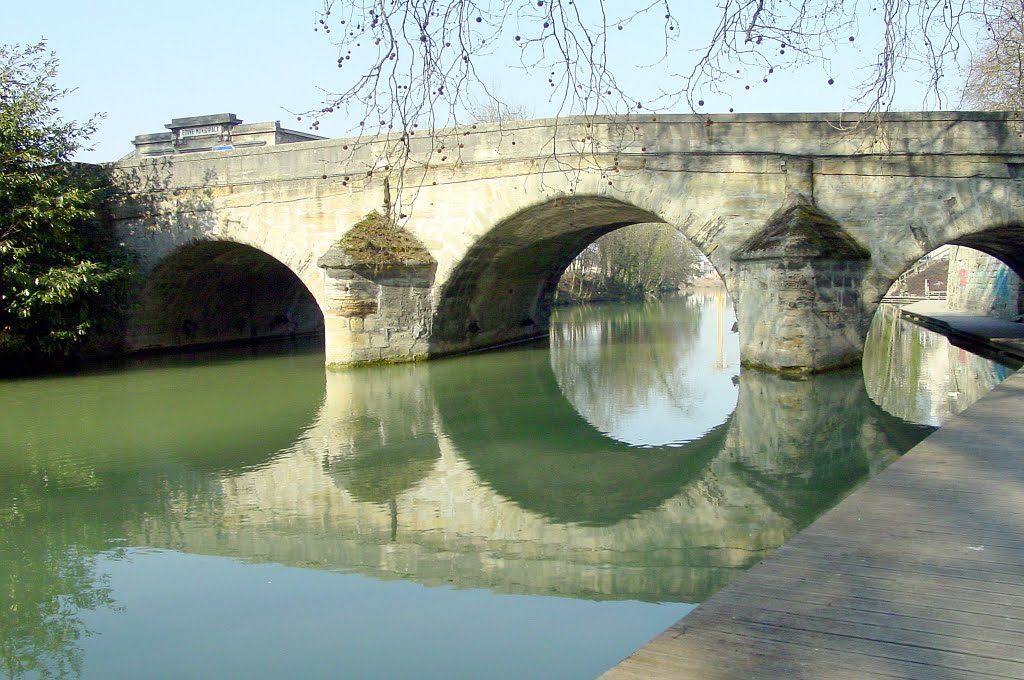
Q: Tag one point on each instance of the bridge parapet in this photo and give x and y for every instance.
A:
(819, 135)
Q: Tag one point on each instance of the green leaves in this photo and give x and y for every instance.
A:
(62, 275)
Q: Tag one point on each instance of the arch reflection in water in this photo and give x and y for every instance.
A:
(917, 375)
(88, 460)
(652, 374)
(507, 417)
(473, 472)
(477, 471)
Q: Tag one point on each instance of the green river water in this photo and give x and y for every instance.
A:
(537, 512)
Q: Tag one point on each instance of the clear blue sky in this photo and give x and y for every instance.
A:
(144, 63)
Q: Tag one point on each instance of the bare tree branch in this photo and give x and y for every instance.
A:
(995, 79)
(411, 66)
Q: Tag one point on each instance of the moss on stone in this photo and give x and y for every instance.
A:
(376, 244)
(797, 373)
(384, 361)
(801, 230)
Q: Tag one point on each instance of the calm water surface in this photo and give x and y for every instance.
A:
(530, 513)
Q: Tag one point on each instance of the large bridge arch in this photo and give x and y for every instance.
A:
(992, 224)
(502, 289)
(212, 292)
(1005, 242)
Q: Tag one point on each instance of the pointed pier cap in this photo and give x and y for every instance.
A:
(376, 246)
(801, 230)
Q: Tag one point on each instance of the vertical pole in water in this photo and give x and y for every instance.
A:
(720, 311)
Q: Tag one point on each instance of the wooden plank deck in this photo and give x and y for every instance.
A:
(917, 574)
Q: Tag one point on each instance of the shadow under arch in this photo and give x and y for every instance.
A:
(1004, 242)
(500, 411)
(221, 292)
(502, 289)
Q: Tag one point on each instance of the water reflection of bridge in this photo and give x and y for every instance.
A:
(916, 574)
(499, 471)
(447, 475)
(918, 375)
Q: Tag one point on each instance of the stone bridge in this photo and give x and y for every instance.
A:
(807, 217)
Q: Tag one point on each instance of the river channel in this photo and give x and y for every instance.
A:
(536, 512)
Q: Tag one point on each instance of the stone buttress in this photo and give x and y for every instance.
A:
(798, 288)
(378, 279)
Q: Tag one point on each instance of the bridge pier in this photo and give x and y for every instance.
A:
(378, 298)
(797, 291)
(373, 320)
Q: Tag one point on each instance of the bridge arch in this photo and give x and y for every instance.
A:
(898, 188)
(503, 288)
(971, 278)
(1005, 242)
(979, 230)
(217, 292)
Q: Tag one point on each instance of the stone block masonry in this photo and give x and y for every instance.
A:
(981, 284)
(864, 198)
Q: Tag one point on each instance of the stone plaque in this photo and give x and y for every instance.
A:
(200, 131)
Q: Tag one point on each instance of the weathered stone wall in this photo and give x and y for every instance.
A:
(384, 318)
(798, 291)
(378, 292)
(801, 315)
(981, 284)
(500, 209)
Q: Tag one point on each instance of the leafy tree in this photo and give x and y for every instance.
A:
(995, 79)
(47, 585)
(62, 276)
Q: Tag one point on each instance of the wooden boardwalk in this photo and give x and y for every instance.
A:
(917, 574)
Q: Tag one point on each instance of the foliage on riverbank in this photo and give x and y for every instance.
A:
(633, 263)
(63, 277)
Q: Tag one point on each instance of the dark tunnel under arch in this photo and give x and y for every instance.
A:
(221, 292)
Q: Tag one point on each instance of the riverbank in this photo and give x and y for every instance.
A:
(567, 297)
(996, 339)
(918, 573)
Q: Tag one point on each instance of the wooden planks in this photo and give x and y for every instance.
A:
(917, 574)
